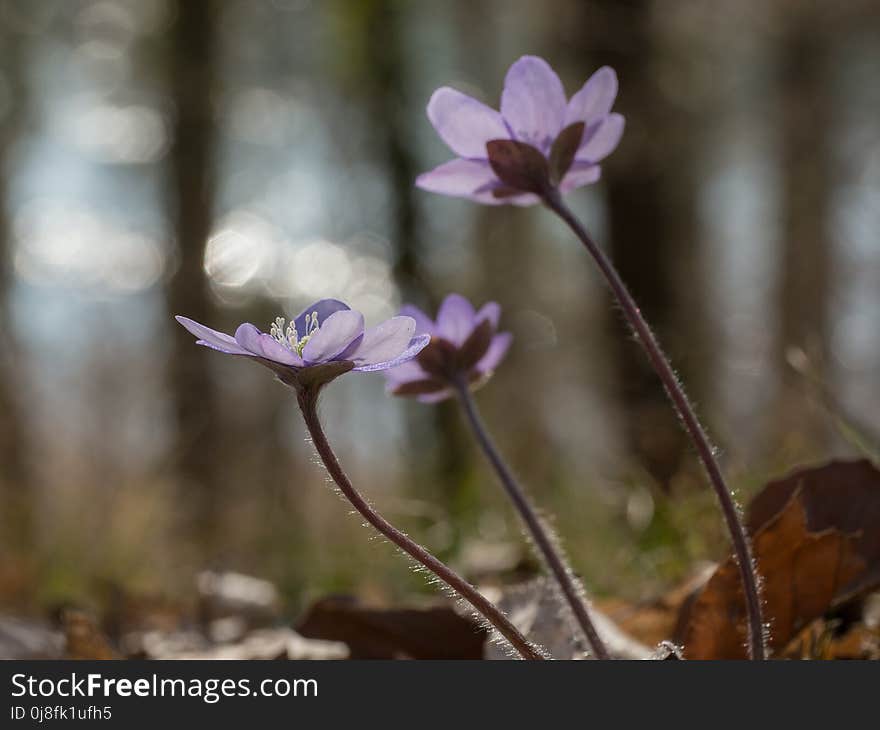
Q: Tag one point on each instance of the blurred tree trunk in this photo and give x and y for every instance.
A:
(386, 67)
(506, 243)
(192, 159)
(16, 489)
(13, 469)
(651, 184)
(383, 79)
(806, 260)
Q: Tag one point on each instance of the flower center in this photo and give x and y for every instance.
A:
(289, 337)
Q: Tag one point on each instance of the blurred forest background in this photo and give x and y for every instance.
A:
(234, 160)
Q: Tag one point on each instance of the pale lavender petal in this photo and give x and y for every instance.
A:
(484, 197)
(459, 178)
(495, 354)
(490, 311)
(602, 142)
(424, 324)
(212, 338)
(323, 307)
(337, 332)
(580, 174)
(436, 397)
(533, 102)
(464, 123)
(408, 372)
(595, 98)
(416, 345)
(384, 342)
(455, 319)
(265, 346)
(523, 201)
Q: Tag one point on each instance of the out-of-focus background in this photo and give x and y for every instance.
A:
(235, 160)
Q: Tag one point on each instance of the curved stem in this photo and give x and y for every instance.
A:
(307, 399)
(543, 540)
(729, 508)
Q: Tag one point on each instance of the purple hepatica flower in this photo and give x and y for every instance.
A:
(539, 141)
(326, 340)
(465, 348)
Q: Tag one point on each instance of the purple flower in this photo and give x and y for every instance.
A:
(539, 141)
(324, 341)
(465, 349)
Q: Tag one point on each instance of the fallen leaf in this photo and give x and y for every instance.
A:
(537, 610)
(653, 621)
(840, 495)
(436, 632)
(831, 555)
(83, 638)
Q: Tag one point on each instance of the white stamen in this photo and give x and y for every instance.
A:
(289, 337)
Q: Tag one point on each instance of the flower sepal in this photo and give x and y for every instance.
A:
(519, 166)
(465, 348)
(312, 378)
(564, 150)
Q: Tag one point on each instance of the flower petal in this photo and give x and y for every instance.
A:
(486, 196)
(464, 123)
(336, 333)
(212, 338)
(459, 178)
(265, 346)
(323, 307)
(408, 372)
(385, 341)
(440, 395)
(455, 319)
(424, 324)
(595, 98)
(533, 102)
(490, 311)
(601, 142)
(580, 174)
(522, 201)
(418, 387)
(495, 354)
(416, 345)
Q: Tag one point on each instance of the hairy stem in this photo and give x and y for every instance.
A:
(307, 399)
(544, 542)
(729, 508)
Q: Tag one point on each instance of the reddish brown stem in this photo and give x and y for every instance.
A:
(307, 399)
(729, 508)
(543, 541)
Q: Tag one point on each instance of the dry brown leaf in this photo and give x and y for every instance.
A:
(804, 573)
(436, 632)
(84, 640)
(839, 495)
(823, 640)
(653, 622)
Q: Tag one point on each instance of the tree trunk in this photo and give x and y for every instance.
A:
(806, 259)
(17, 491)
(191, 185)
(651, 187)
(384, 80)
